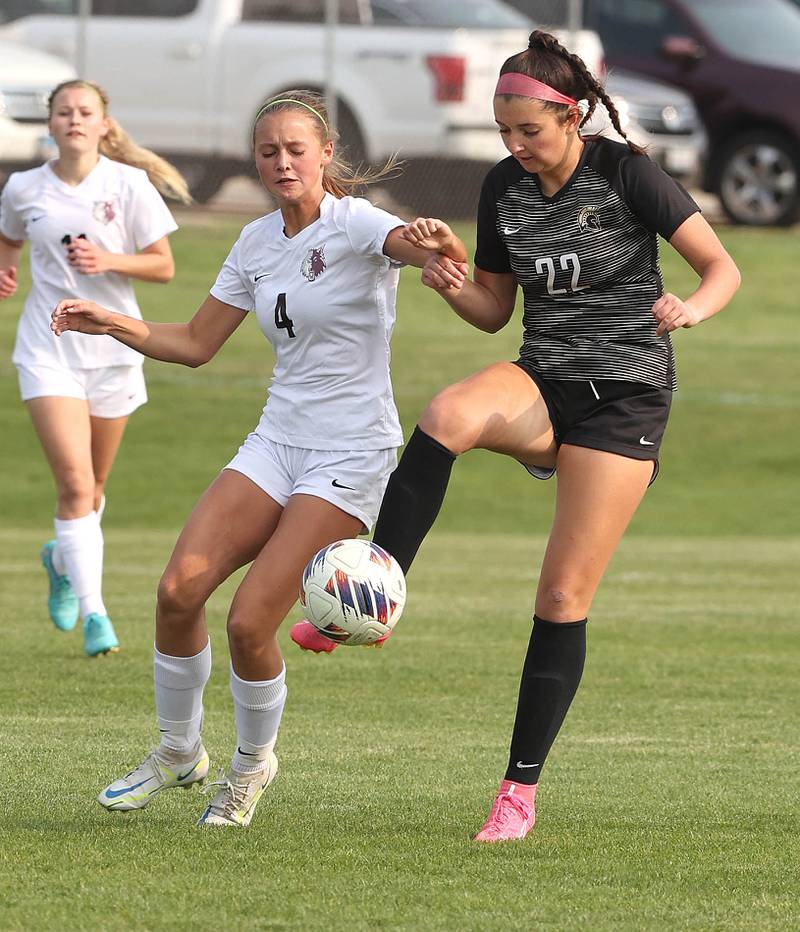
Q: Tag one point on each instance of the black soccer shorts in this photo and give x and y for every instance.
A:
(627, 418)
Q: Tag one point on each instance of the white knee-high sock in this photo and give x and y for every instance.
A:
(179, 684)
(79, 549)
(258, 706)
(58, 561)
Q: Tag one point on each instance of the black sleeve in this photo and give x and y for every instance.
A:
(659, 201)
(491, 254)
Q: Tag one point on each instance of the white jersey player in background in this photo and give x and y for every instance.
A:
(95, 221)
(321, 276)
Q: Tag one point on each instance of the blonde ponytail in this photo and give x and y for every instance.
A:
(119, 146)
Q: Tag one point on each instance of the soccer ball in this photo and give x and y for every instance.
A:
(353, 591)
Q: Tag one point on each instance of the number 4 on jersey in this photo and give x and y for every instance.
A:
(282, 319)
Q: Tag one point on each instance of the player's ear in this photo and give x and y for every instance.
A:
(573, 121)
(327, 152)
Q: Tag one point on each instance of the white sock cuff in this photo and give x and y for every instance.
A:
(66, 525)
(258, 694)
(182, 672)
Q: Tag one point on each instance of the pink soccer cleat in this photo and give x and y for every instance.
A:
(309, 637)
(512, 815)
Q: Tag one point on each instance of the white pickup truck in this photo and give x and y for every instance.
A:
(186, 77)
(26, 78)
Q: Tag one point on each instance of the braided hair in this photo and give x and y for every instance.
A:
(548, 61)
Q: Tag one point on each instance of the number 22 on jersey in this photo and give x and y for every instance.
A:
(282, 319)
(566, 261)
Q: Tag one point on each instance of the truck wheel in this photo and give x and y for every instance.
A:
(758, 179)
(350, 138)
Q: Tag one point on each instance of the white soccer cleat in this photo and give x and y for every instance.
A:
(237, 796)
(156, 773)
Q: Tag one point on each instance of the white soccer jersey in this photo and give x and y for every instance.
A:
(325, 299)
(117, 208)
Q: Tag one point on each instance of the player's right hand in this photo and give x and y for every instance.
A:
(81, 316)
(444, 274)
(8, 282)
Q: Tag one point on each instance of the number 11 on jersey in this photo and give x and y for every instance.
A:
(282, 319)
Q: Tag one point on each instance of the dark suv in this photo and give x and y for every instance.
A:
(740, 61)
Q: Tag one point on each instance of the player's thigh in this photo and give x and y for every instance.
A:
(272, 583)
(227, 528)
(63, 427)
(499, 409)
(596, 498)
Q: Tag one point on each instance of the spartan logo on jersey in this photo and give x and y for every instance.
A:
(314, 263)
(589, 219)
(104, 211)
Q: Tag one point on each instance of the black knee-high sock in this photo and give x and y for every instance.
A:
(413, 497)
(550, 678)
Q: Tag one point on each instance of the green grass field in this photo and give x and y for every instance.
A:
(670, 800)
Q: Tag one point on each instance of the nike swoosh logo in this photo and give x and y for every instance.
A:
(523, 766)
(259, 277)
(183, 776)
(647, 443)
(112, 794)
(34, 219)
(508, 231)
(338, 485)
(246, 753)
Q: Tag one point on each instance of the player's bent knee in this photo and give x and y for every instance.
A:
(75, 492)
(246, 634)
(447, 419)
(178, 593)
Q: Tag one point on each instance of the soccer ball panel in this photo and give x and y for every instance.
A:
(353, 591)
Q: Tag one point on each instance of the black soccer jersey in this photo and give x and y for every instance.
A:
(587, 261)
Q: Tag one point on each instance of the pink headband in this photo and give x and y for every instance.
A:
(512, 82)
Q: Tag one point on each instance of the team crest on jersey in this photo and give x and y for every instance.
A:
(314, 263)
(104, 211)
(589, 219)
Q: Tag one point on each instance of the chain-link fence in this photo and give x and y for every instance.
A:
(186, 78)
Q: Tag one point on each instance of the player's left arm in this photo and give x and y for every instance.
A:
(153, 263)
(699, 245)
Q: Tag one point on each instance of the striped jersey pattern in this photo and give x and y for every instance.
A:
(587, 262)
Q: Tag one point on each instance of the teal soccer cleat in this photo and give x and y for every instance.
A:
(98, 635)
(62, 603)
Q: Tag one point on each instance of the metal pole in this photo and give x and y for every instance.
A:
(81, 29)
(574, 20)
(331, 22)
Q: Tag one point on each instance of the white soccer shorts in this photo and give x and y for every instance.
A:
(115, 391)
(352, 480)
